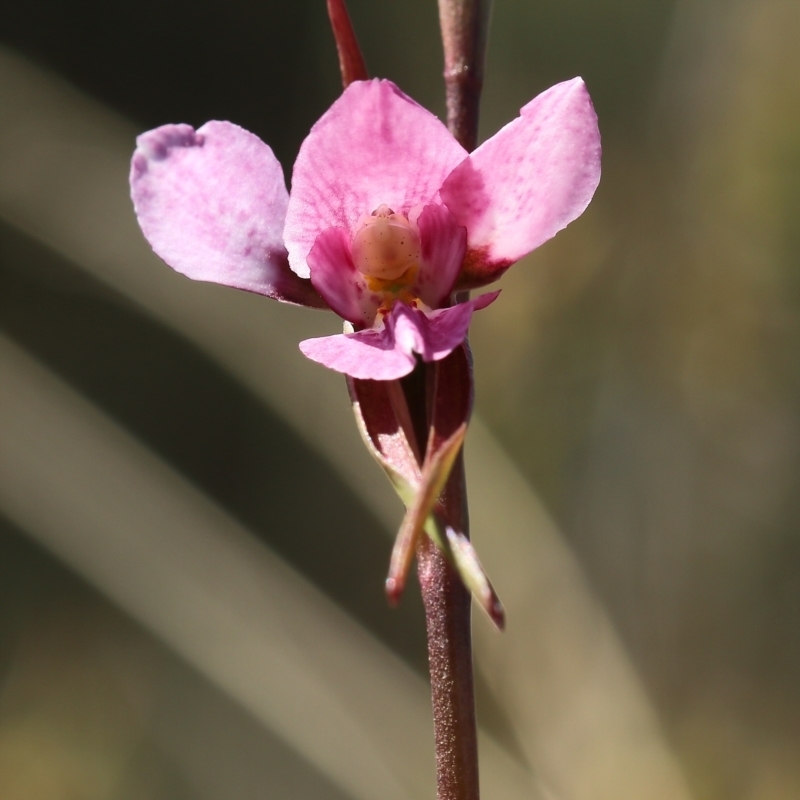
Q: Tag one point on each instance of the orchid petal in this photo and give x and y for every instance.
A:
(447, 328)
(212, 204)
(374, 146)
(527, 182)
(444, 243)
(336, 278)
(388, 353)
(368, 355)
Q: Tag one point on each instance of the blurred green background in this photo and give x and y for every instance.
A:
(640, 371)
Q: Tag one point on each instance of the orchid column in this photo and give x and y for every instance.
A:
(390, 222)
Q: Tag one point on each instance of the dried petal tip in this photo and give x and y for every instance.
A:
(474, 576)
(497, 614)
(394, 591)
(156, 144)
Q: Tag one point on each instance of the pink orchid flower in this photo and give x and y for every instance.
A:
(387, 217)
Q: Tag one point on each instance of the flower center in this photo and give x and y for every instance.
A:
(386, 249)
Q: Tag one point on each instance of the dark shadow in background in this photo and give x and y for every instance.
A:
(199, 419)
(38, 595)
(255, 63)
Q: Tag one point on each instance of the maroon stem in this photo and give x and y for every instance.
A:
(464, 25)
(447, 608)
(447, 602)
(351, 61)
(447, 613)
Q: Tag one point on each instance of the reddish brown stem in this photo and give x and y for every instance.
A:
(446, 599)
(447, 602)
(447, 612)
(351, 61)
(464, 24)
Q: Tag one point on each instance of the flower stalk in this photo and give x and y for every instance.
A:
(447, 613)
(465, 25)
(391, 220)
(351, 61)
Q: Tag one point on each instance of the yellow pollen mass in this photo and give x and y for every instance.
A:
(386, 247)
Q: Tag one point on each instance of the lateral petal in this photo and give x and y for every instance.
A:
(212, 204)
(526, 183)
